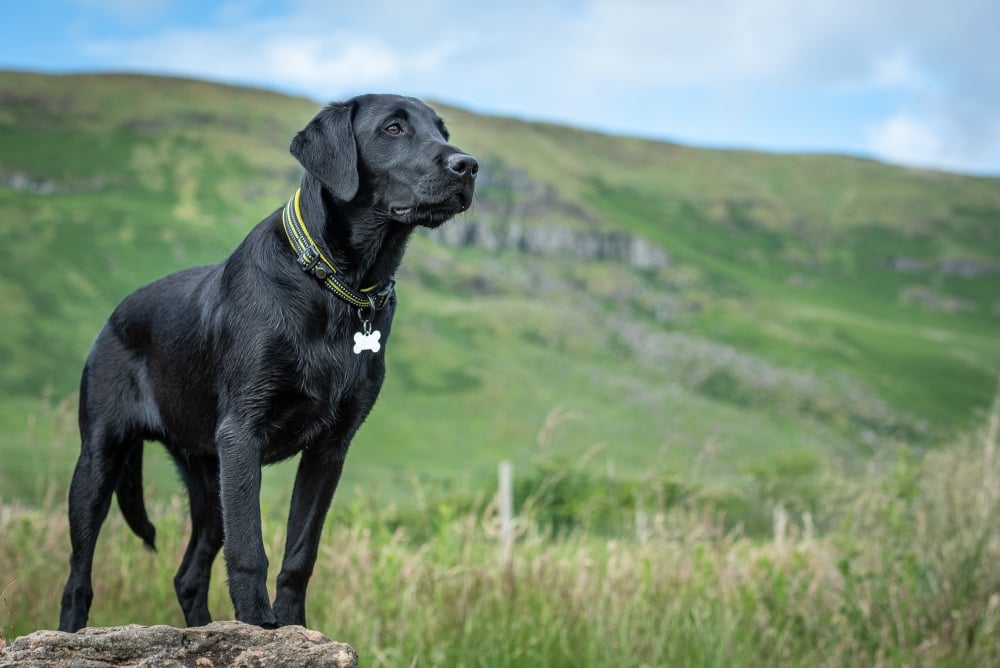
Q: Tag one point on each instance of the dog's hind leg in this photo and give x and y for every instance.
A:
(201, 475)
(94, 480)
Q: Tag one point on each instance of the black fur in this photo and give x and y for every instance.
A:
(250, 361)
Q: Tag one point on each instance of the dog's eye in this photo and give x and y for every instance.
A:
(394, 129)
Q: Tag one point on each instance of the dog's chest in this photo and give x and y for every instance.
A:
(325, 396)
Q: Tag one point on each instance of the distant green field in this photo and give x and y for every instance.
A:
(812, 304)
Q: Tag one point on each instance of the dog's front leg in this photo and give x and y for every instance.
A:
(243, 547)
(316, 481)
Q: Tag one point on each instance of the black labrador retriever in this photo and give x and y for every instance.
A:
(278, 350)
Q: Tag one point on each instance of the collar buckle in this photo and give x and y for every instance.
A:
(310, 259)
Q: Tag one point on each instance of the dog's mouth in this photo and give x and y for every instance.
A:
(432, 215)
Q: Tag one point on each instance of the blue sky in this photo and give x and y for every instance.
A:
(913, 82)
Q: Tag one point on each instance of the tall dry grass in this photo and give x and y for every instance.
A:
(908, 574)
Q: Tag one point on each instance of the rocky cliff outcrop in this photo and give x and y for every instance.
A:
(963, 267)
(544, 239)
(514, 212)
(218, 645)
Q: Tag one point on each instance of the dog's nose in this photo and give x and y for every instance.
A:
(462, 164)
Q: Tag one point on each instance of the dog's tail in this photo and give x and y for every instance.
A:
(129, 493)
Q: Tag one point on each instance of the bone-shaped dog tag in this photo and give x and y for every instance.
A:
(368, 341)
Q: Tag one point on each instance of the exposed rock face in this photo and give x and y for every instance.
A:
(218, 645)
(26, 184)
(506, 198)
(964, 267)
(508, 193)
(551, 240)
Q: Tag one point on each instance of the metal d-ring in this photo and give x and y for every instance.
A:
(366, 323)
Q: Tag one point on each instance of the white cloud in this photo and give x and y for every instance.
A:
(928, 141)
(322, 64)
(927, 69)
(895, 71)
(690, 42)
(906, 140)
(314, 63)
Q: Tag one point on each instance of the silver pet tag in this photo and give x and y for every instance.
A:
(367, 341)
(367, 338)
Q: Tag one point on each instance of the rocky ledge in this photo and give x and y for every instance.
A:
(218, 645)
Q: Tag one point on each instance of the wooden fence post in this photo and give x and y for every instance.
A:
(506, 508)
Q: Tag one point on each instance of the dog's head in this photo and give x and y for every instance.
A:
(390, 153)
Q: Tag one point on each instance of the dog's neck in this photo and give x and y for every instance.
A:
(365, 247)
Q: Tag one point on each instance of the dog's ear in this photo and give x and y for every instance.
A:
(327, 149)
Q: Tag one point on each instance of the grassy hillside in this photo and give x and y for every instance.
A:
(813, 309)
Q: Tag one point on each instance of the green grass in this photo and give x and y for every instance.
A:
(900, 566)
(777, 327)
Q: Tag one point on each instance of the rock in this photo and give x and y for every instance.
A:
(218, 645)
(547, 240)
(506, 197)
(968, 267)
(26, 184)
(935, 301)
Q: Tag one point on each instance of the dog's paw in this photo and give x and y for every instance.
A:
(290, 608)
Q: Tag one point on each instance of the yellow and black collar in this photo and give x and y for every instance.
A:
(312, 261)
